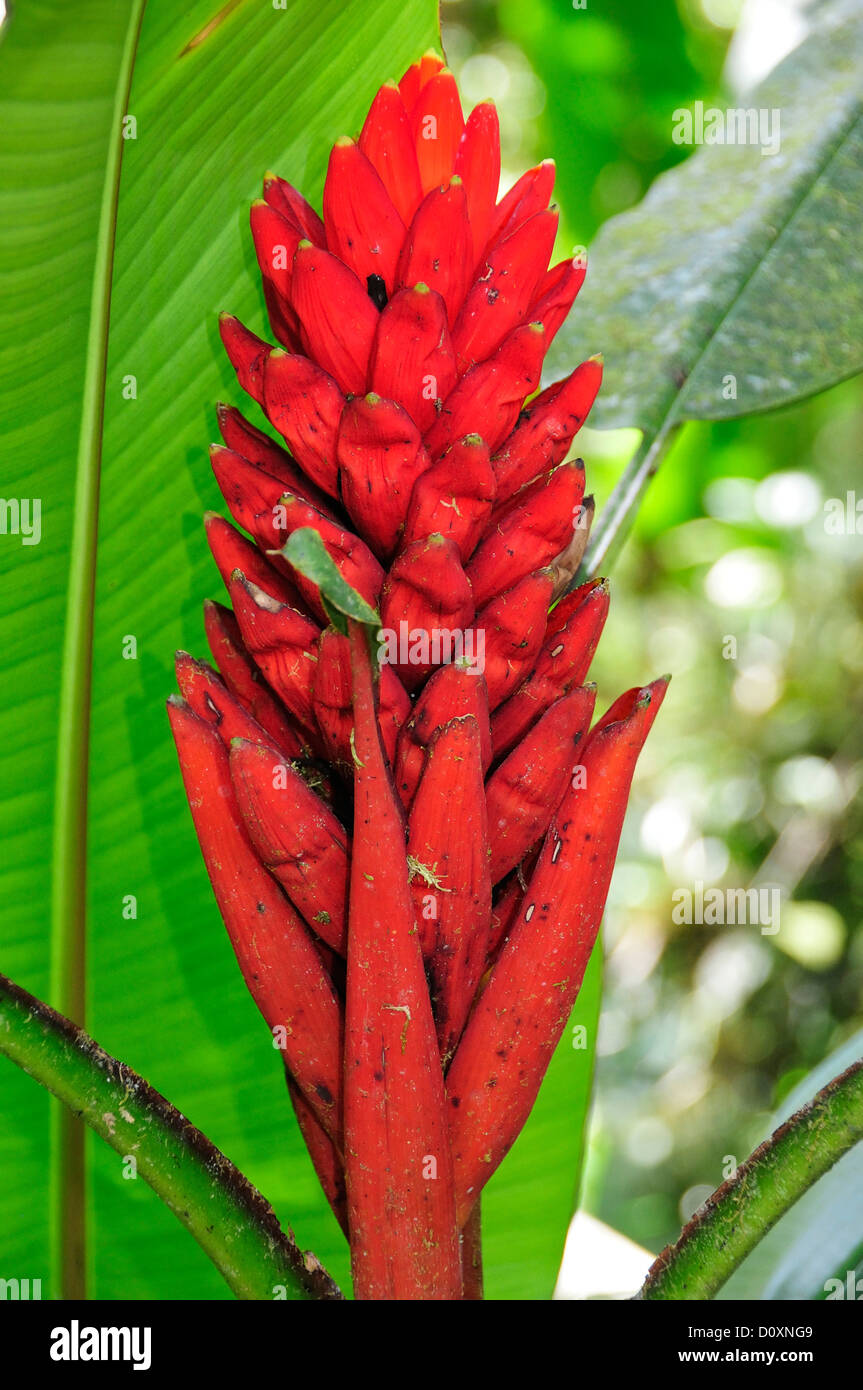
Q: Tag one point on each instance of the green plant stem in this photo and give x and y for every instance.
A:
(619, 513)
(69, 854)
(740, 1212)
(228, 1217)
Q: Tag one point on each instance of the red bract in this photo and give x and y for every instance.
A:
(277, 955)
(520, 1016)
(448, 845)
(454, 690)
(296, 835)
(411, 879)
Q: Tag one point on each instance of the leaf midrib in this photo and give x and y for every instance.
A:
(69, 840)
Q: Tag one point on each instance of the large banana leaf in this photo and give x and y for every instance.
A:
(219, 94)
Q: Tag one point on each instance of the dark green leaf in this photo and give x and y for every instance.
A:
(736, 285)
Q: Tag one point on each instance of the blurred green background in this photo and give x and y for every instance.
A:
(752, 772)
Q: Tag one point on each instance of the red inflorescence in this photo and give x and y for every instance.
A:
(410, 847)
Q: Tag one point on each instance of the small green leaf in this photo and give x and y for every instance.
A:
(306, 552)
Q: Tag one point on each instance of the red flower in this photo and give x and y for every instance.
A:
(425, 814)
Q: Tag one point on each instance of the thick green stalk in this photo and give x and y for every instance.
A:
(740, 1212)
(228, 1217)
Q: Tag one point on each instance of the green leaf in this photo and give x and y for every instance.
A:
(230, 1220)
(821, 1237)
(220, 93)
(306, 552)
(62, 69)
(737, 264)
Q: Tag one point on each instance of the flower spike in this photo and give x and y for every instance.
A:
(381, 769)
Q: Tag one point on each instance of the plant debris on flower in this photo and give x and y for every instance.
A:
(411, 848)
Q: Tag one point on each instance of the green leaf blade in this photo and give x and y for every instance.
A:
(685, 291)
(59, 70)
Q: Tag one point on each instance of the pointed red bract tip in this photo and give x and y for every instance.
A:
(502, 294)
(412, 359)
(437, 250)
(245, 681)
(417, 75)
(541, 966)
(454, 497)
(426, 600)
(363, 226)
(247, 353)
(276, 240)
(296, 835)
(305, 405)
(387, 141)
(478, 164)
(337, 317)
(293, 207)
(448, 845)
(380, 455)
(438, 125)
